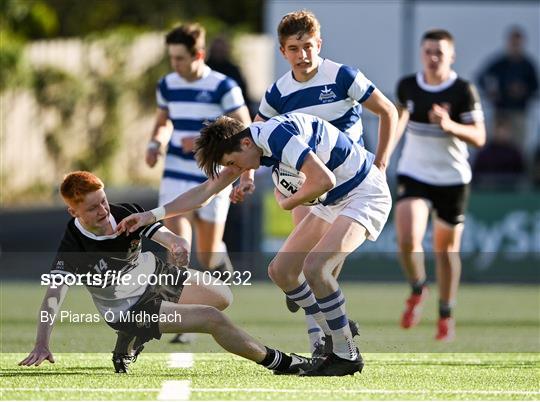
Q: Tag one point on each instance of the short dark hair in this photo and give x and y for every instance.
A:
(438, 34)
(218, 138)
(192, 36)
(298, 23)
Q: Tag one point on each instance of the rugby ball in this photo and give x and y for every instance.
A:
(288, 181)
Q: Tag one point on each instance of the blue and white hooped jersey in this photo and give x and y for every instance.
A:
(189, 105)
(334, 94)
(289, 138)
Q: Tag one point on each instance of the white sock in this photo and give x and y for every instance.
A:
(315, 332)
(303, 296)
(333, 308)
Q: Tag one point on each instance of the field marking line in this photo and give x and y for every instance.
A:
(60, 389)
(271, 390)
(175, 390)
(368, 391)
(181, 360)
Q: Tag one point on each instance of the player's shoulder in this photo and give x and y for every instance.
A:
(71, 239)
(408, 80)
(123, 210)
(217, 75)
(170, 80)
(282, 82)
(334, 67)
(463, 84)
(219, 78)
(331, 69)
(216, 81)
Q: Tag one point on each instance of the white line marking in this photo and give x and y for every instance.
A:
(181, 360)
(284, 391)
(175, 391)
(366, 391)
(83, 389)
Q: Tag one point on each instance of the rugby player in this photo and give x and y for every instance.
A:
(91, 244)
(190, 95)
(442, 114)
(324, 88)
(355, 209)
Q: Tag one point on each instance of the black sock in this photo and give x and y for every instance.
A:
(276, 360)
(123, 342)
(445, 309)
(417, 287)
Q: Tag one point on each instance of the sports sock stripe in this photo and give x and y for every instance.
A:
(304, 297)
(333, 309)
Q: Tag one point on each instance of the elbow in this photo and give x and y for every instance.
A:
(390, 112)
(480, 142)
(480, 139)
(391, 115)
(328, 182)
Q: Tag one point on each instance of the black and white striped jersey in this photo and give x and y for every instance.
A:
(82, 252)
(429, 154)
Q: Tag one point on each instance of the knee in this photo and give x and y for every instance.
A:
(225, 298)
(214, 319)
(279, 274)
(314, 269)
(408, 245)
(274, 272)
(447, 257)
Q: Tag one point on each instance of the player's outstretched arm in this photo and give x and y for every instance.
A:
(388, 122)
(193, 199)
(49, 309)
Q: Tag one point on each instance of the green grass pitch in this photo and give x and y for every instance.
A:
(495, 356)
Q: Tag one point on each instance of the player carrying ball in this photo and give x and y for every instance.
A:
(356, 208)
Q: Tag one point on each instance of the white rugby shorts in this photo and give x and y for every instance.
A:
(369, 204)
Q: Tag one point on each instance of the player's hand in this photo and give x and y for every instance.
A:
(37, 356)
(439, 115)
(281, 200)
(153, 152)
(135, 221)
(245, 187)
(188, 144)
(381, 166)
(180, 251)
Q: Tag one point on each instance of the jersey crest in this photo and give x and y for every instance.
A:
(327, 95)
(203, 97)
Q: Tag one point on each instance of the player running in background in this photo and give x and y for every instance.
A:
(356, 208)
(189, 96)
(91, 245)
(323, 88)
(442, 115)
